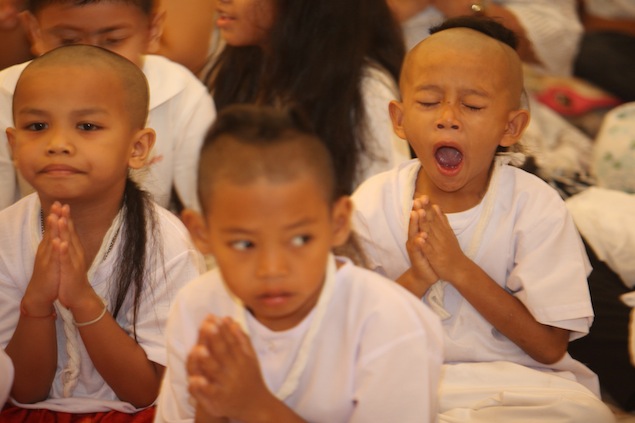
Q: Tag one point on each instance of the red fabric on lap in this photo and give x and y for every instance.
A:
(12, 414)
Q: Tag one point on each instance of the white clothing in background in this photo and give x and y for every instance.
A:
(181, 111)
(385, 149)
(20, 235)
(376, 355)
(552, 27)
(610, 9)
(606, 220)
(530, 247)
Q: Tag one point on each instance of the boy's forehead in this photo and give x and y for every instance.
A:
(53, 79)
(94, 73)
(467, 47)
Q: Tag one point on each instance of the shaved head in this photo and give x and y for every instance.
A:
(495, 59)
(134, 86)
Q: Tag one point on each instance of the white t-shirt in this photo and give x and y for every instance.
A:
(530, 247)
(375, 357)
(181, 111)
(552, 27)
(20, 235)
(6, 376)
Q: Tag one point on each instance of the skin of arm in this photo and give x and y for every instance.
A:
(225, 378)
(187, 30)
(545, 344)
(60, 273)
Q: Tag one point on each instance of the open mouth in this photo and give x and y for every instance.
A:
(448, 157)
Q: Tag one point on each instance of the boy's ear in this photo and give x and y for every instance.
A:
(197, 227)
(11, 139)
(141, 148)
(34, 33)
(516, 123)
(341, 218)
(395, 108)
(155, 31)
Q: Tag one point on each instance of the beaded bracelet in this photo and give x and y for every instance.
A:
(95, 320)
(26, 313)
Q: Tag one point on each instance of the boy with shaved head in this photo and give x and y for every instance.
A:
(488, 246)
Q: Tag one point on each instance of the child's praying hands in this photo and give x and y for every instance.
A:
(225, 377)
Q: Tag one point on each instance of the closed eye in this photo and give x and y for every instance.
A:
(112, 42)
(69, 41)
(474, 108)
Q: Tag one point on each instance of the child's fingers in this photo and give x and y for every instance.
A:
(413, 224)
(243, 340)
(224, 346)
(194, 359)
(228, 332)
(420, 202)
(207, 331)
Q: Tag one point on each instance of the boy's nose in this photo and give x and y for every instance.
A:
(271, 263)
(447, 117)
(58, 144)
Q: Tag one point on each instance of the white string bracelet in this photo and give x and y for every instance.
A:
(95, 320)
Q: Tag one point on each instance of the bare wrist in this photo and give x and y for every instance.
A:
(32, 309)
(88, 310)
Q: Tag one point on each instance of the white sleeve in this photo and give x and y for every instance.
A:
(196, 114)
(550, 275)
(385, 149)
(553, 28)
(8, 183)
(173, 404)
(6, 376)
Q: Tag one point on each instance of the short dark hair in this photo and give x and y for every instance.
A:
(485, 25)
(247, 142)
(34, 6)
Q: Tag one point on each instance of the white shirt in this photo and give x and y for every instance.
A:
(552, 27)
(6, 376)
(181, 111)
(20, 235)
(375, 357)
(529, 246)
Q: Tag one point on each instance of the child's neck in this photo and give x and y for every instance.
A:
(458, 201)
(91, 222)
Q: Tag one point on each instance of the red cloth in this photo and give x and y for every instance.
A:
(12, 414)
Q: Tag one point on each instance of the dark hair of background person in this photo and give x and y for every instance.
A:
(317, 53)
(488, 26)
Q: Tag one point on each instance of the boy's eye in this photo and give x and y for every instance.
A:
(428, 103)
(471, 107)
(88, 127)
(242, 245)
(69, 41)
(111, 42)
(300, 240)
(37, 126)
